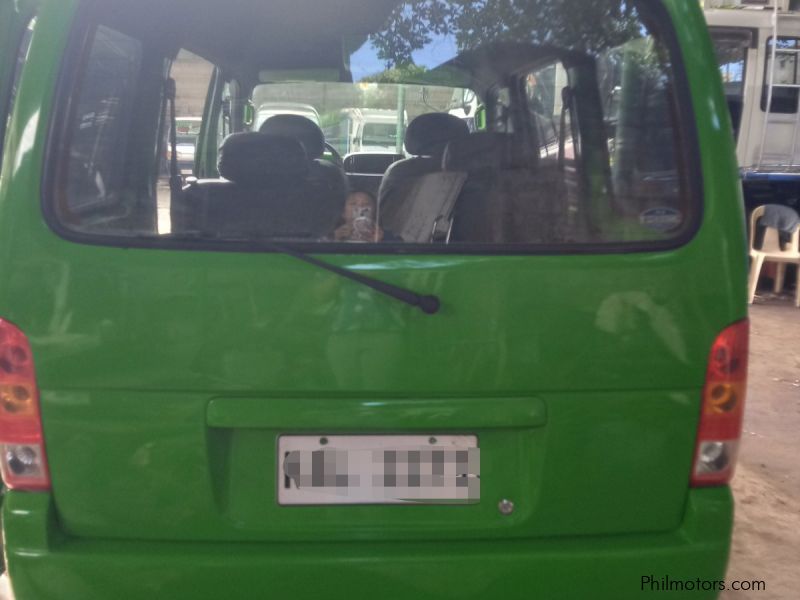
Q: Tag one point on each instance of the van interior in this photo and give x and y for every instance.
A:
(551, 149)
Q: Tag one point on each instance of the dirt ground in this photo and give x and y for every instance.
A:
(766, 539)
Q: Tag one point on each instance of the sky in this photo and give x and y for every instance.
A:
(365, 62)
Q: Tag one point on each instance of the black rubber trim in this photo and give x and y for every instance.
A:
(687, 139)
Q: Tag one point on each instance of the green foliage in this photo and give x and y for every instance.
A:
(572, 24)
(399, 74)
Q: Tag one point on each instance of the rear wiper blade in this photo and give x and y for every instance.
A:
(429, 304)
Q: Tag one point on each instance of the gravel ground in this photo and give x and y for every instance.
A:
(766, 539)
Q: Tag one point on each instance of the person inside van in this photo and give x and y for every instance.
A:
(359, 220)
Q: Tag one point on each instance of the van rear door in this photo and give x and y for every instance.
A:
(169, 366)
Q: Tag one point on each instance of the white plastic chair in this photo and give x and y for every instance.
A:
(771, 251)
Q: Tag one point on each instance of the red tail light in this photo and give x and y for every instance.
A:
(23, 462)
(723, 407)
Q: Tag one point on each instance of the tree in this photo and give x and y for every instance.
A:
(398, 74)
(570, 24)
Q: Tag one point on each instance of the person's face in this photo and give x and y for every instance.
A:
(359, 206)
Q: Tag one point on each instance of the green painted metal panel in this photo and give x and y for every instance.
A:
(391, 414)
(602, 568)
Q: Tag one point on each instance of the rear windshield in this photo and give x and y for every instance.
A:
(504, 125)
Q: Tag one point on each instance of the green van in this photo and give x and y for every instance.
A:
(506, 363)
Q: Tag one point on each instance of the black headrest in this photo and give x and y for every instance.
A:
(484, 150)
(254, 159)
(300, 128)
(427, 135)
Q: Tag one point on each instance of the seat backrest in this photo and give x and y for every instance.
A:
(300, 128)
(365, 171)
(508, 196)
(429, 134)
(425, 214)
(771, 242)
(426, 138)
(308, 133)
(266, 192)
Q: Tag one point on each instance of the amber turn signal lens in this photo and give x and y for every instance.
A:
(16, 399)
(723, 398)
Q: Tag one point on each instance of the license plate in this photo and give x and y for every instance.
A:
(378, 469)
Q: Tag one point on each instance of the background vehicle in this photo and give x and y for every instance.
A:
(767, 142)
(165, 351)
(188, 130)
(366, 130)
(186, 150)
(270, 109)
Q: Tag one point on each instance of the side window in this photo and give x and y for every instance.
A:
(115, 179)
(95, 188)
(16, 73)
(637, 93)
(544, 93)
(224, 128)
(192, 75)
(500, 113)
(784, 99)
(606, 144)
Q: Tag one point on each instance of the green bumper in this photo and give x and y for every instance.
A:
(44, 563)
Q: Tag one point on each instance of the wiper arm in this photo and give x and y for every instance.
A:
(429, 304)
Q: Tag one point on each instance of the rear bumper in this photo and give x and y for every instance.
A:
(45, 564)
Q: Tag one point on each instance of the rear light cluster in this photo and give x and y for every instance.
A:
(722, 407)
(23, 462)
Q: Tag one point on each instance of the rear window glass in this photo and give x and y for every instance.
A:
(509, 125)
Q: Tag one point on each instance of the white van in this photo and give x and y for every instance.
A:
(270, 109)
(365, 130)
